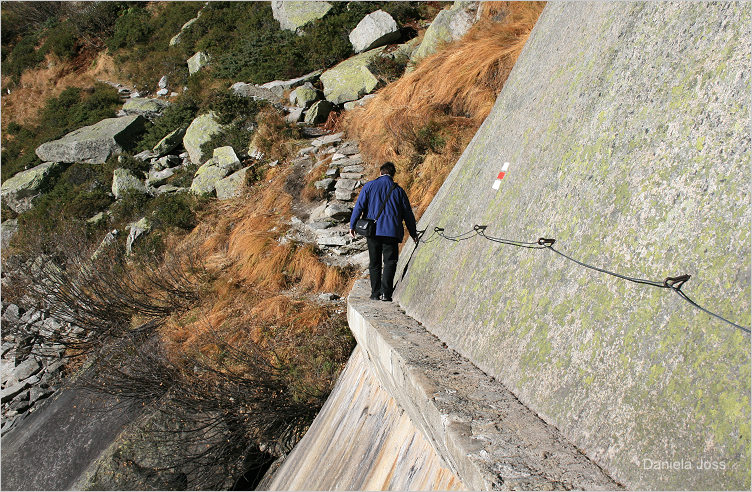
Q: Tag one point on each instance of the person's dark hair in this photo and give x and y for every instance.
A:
(388, 168)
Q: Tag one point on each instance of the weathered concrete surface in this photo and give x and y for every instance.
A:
(626, 126)
(409, 414)
(363, 440)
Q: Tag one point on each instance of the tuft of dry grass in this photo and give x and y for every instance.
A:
(445, 99)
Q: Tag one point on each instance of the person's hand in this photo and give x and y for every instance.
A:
(352, 232)
(416, 238)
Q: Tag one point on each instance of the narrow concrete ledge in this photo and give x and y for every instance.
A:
(477, 427)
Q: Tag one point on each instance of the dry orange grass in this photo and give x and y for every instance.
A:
(39, 85)
(455, 88)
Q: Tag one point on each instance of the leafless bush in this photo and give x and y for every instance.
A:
(213, 415)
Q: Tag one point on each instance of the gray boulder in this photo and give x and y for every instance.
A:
(176, 39)
(232, 185)
(123, 180)
(351, 79)
(136, 230)
(318, 113)
(293, 15)
(294, 115)
(148, 108)
(170, 142)
(325, 184)
(449, 25)
(200, 131)
(197, 62)
(206, 178)
(20, 191)
(280, 86)
(159, 178)
(305, 95)
(338, 211)
(94, 144)
(376, 29)
(26, 369)
(255, 91)
(225, 158)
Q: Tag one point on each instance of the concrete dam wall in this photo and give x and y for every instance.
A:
(626, 127)
(623, 133)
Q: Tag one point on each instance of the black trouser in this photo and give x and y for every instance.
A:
(382, 282)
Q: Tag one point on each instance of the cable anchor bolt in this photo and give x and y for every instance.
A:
(542, 241)
(676, 282)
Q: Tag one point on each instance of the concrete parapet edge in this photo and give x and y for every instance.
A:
(481, 431)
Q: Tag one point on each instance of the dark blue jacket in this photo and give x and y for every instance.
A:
(396, 210)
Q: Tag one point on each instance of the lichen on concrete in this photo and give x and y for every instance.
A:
(627, 129)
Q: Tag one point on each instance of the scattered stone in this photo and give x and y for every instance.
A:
(338, 211)
(232, 185)
(20, 191)
(325, 184)
(93, 144)
(294, 15)
(305, 95)
(376, 29)
(197, 62)
(148, 108)
(201, 130)
(123, 180)
(351, 79)
(319, 112)
(136, 229)
(8, 229)
(449, 25)
(294, 115)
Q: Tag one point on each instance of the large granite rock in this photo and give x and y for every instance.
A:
(296, 14)
(351, 79)
(197, 62)
(170, 142)
(96, 143)
(305, 95)
(627, 130)
(257, 92)
(20, 191)
(199, 132)
(226, 158)
(374, 30)
(318, 113)
(449, 25)
(148, 108)
(232, 185)
(123, 181)
(280, 86)
(176, 39)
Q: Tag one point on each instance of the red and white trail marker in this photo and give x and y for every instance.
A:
(501, 175)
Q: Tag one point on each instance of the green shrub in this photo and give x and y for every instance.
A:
(177, 115)
(132, 27)
(23, 56)
(72, 109)
(81, 191)
(174, 210)
(62, 41)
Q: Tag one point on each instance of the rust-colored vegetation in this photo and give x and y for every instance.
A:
(424, 121)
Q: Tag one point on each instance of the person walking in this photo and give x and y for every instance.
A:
(389, 232)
